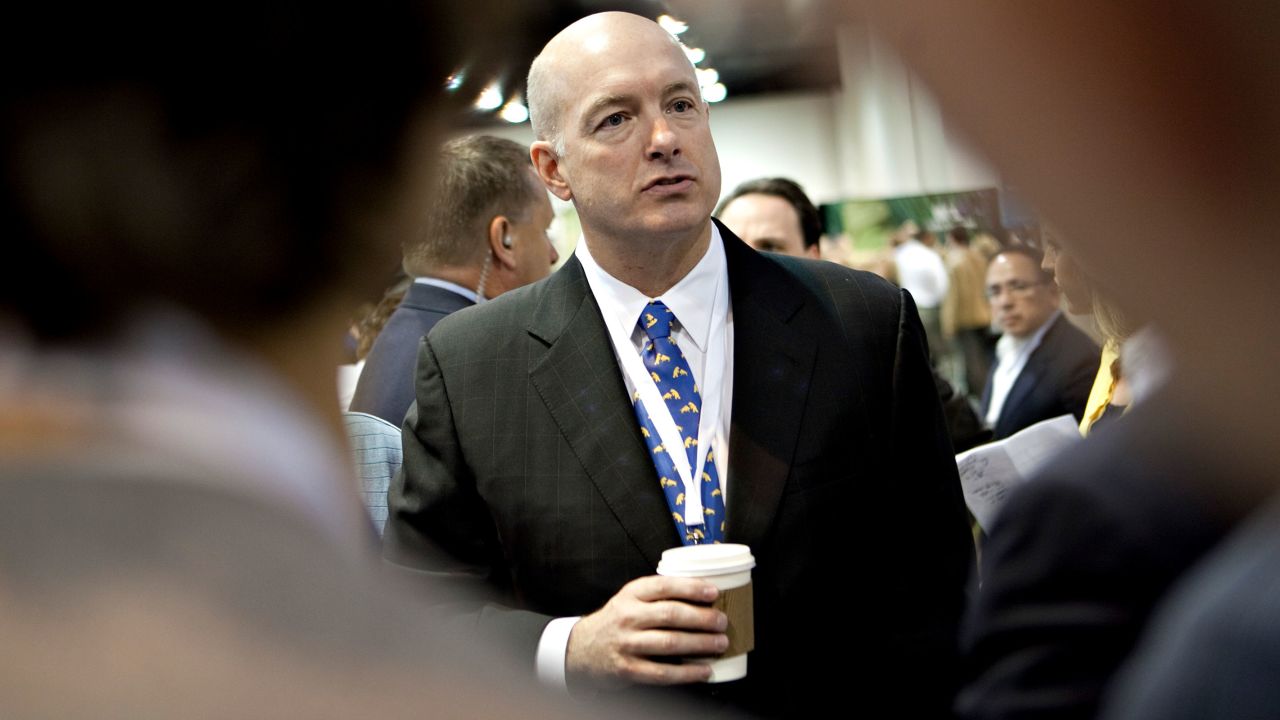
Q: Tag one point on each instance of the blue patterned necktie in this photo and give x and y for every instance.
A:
(670, 373)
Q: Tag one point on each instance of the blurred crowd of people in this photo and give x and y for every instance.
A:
(194, 212)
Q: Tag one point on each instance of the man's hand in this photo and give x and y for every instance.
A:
(649, 617)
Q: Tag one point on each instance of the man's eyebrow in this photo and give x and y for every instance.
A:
(599, 104)
(677, 87)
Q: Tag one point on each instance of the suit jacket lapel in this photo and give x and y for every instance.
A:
(1028, 378)
(579, 381)
(773, 363)
(985, 403)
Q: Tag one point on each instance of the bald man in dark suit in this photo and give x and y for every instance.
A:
(527, 471)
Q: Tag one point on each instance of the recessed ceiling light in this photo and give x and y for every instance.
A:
(455, 79)
(672, 25)
(514, 111)
(490, 98)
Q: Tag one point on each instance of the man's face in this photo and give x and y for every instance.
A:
(768, 223)
(535, 254)
(1021, 300)
(639, 161)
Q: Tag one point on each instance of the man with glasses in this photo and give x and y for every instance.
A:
(1044, 364)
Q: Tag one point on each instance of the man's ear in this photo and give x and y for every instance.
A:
(547, 164)
(501, 243)
(814, 251)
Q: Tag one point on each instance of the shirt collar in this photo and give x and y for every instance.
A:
(1011, 346)
(451, 287)
(690, 299)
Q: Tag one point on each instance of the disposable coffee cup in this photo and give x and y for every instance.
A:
(728, 567)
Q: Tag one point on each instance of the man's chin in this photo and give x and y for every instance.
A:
(675, 224)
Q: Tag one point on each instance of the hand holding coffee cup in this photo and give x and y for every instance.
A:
(650, 619)
(679, 614)
(728, 567)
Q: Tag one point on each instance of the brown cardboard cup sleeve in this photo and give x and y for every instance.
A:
(736, 603)
(728, 567)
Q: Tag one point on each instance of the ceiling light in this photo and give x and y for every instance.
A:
(514, 111)
(490, 98)
(672, 25)
(715, 92)
(455, 79)
(707, 76)
(695, 55)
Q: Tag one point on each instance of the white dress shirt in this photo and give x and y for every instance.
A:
(1011, 356)
(704, 333)
(922, 272)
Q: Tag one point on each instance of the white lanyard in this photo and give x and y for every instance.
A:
(711, 394)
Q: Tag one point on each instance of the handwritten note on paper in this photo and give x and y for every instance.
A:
(988, 473)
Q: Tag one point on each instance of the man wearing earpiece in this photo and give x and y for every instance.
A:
(485, 233)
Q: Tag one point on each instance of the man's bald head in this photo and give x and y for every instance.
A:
(550, 76)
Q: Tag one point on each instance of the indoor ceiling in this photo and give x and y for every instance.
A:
(757, 46)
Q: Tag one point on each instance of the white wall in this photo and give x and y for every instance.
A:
(791, 135)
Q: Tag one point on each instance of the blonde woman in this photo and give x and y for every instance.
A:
(1110, 394)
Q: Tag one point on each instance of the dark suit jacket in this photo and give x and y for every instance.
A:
(1055, 381)
(1077, 560)
(385, 388)
(1212, 650)
(967, 430)
(524, 467)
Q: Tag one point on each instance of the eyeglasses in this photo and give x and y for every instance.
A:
(1015, 288)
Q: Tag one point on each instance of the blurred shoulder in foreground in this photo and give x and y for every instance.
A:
(193, 195)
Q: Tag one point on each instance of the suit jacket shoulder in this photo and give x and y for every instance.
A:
(1202, 656)
(385, 387)
(1074, 565)
(1069, 342)
(504, 320)
(1055, 381)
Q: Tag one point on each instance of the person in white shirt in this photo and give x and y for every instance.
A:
(1044, 365)
(809, 428)
(923, 273)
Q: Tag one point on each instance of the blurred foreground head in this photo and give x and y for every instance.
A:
(1158, 118)
(246, 165)
(241, 161)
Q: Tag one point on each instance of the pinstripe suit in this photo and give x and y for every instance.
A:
(525, 471)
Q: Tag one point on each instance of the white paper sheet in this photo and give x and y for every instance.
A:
(989, 472)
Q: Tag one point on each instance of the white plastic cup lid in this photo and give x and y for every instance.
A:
(704, 560)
